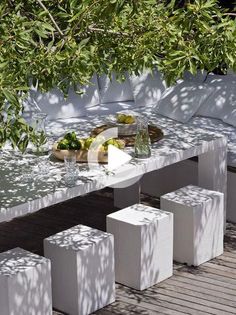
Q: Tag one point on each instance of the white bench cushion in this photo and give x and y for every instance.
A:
(100, 109)
(147, 88)
(222, 103)
(181, 101)
(113, 91)
(56, 106)
(110, 108)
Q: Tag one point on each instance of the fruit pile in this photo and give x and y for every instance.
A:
(71, 142)
(125, 119)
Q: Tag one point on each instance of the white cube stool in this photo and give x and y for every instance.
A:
(198, 223)
(143, 245)
(25, 283)
(83, 277)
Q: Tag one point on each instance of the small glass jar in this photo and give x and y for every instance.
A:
(142, 147)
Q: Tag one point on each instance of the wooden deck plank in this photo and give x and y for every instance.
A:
(193, 291)
(207, 289)
(123, 308)
(225, 270)
(153, 300)
(228, 255)
(202, 302)
(225, 263)
(199, 283)
(227, 259)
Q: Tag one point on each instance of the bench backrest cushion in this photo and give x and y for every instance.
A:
(220, 103)
(113, 91)
(147, 87)
(110, 108)
(56, 106)
(180, 102)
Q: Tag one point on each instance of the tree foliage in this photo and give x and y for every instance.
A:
(63, 42)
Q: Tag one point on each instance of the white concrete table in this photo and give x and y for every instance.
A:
(83, 275)
(179, 143)
(143, 239)
(198, 223)
(25, 283)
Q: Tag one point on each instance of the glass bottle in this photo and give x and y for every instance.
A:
(41, 146)
(142, 146)
(40, 140)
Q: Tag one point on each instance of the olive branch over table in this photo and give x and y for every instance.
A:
(62, 43)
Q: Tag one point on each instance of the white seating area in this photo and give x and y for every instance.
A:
(25, 283)
(198, 101)
(82, 264)
(143, 245)
(141, 242)
(83, 278)
(198, 223)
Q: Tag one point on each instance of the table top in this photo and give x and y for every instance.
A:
(180, 142)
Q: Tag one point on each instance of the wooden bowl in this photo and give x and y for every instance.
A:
(123, 129)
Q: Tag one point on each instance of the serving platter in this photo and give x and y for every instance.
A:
(81, 155)
(155, 133)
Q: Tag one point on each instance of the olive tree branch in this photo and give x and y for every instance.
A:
(225, 14)
(101, 30)
(229, 14)
(51, 17)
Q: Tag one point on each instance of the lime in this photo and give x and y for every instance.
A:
(120, 118)
(63, 144)
(88, 142)
(110, 141)
(68, 136)
(82, 142)
(129, 119)
(75, 145)
(121, 144)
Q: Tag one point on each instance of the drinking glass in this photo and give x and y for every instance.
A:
(71, 172)
(142, 146)
(43, 165)
(70, 162)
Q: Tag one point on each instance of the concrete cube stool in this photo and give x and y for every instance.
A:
(25, 283)
(198, 223)
(143, 245)
(83, 276)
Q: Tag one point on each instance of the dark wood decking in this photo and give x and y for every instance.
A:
(208, 289)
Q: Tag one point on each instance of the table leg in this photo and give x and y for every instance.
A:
(212, 171)
(125, 197)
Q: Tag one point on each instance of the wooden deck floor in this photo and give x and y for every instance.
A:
(208, 289)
